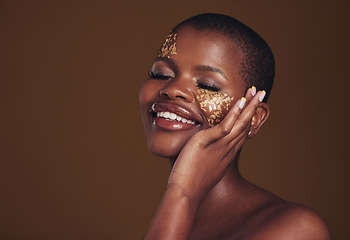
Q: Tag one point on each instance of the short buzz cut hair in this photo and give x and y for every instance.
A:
(257, 60)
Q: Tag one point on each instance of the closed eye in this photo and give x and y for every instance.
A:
(158, 76)
(210, 87)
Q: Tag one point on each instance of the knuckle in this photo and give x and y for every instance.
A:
(225, 130)
(236, 111)
(242, 124)
(201, 139)
(256, 104)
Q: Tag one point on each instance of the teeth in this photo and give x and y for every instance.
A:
(173, 116)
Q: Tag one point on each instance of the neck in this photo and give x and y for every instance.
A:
(230, 189)
(229, 203)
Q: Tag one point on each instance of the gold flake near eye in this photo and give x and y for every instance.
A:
(169, 46)
(213, 103)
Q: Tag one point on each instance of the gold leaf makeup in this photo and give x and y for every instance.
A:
(215, 104)
(169, 46)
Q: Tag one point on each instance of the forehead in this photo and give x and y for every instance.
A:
(191, 36)
(203, 47)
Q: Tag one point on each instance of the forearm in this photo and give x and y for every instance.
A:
(174, 217)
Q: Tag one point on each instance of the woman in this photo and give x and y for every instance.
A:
(205, 95)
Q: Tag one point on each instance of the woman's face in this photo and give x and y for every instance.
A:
(192, 83)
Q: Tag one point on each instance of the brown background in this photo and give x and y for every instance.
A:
(74, 162)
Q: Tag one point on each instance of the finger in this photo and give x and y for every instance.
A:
(225, 127)
(250, 93)
(210, 135)
(246, 116)
(239, 140)
(234, 146)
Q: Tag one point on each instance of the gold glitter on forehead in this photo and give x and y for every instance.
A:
(216, 102)
(169, 46)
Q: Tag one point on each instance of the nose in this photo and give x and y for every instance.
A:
(177, 89)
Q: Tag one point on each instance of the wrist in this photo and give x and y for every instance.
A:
(179, 192)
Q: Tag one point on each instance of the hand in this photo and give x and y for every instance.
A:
(206, 156)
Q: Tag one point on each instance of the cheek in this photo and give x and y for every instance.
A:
(147, 93)
(146, 99)
(142, 96)
(215, 105)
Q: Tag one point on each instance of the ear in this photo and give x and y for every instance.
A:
(261, 115)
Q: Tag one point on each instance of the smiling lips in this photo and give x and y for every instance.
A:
(174, 117)
(171, 116)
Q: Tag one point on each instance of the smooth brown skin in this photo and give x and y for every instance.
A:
(206, 197)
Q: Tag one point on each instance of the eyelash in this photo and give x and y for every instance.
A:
(210, 87)
(158, 76)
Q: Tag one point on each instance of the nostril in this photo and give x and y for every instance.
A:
(182, 97)
(173, 96)
(164, 94)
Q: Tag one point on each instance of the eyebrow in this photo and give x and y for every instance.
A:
(164, 59)
(209, 68)
(202, 68)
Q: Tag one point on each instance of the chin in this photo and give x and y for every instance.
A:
(165, 153)
(167, 148)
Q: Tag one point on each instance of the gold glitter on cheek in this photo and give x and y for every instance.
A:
(214, 104)
(169, 46)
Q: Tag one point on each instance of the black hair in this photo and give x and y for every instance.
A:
(257, 61)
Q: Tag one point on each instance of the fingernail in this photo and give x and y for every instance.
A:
(242, 102)
(253, 91)
(262, 95)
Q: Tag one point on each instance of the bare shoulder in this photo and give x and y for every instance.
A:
(287, 221)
